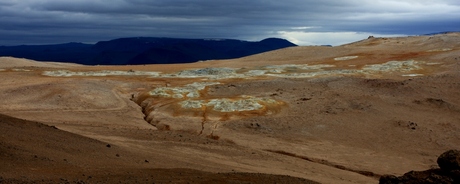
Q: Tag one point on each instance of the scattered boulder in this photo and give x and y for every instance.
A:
(449, 160)
(449, 172)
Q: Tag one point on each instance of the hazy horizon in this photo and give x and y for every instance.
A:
(306, 22)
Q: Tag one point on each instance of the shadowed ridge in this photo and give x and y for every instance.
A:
(144, 50)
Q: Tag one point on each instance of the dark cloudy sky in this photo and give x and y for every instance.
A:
(305, 22)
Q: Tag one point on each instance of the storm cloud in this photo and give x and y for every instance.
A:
(305, 22)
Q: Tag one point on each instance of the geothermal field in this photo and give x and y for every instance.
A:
(306, 114)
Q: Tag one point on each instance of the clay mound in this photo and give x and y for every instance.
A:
(32, 148)
(449, 172)
(31, 152)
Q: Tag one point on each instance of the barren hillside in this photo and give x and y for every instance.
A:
(345, 114)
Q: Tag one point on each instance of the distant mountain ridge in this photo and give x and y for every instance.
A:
(144, 50)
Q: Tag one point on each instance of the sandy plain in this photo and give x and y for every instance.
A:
(345, 114)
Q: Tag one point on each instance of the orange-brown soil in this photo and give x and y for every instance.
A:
(345, 114)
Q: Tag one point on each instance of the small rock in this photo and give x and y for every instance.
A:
(449, 160)
(305, 99)
(412, 125)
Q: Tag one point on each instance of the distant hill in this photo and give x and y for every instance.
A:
(437, 33)
(144, 50)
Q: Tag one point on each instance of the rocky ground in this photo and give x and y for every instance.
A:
(448, 172)
(346, 114)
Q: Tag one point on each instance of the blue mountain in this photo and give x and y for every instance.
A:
(144, 50)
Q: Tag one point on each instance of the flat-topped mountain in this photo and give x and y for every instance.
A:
(144, 50)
